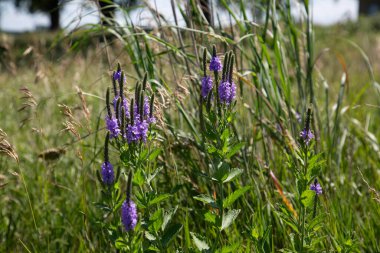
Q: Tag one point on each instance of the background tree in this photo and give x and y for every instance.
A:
(51, 7)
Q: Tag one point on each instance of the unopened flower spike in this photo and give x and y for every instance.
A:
(225, 66)
(114, 84)
(141, 105)
(121, 86)
(151, 107)
(108, 103)
(144, 82)
(117, 111)
(132, 111)
(107, 168)
(206, 82)
(122, 121)
(128, 209)
(137, 93)
(306, 134)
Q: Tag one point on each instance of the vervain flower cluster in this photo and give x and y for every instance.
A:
(226, 89)
(129, 120)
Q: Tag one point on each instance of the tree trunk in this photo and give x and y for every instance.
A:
(108, 12)
(205, 6)
(54, 15)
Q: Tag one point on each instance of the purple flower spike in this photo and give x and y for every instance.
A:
(107, 173)
(117, 75)
(316, 187)
(146, 106)
(129, 214)
(215, 64)
(232, 92)
(112, 126)
(225, 92)
(206, 86)
(306, 136)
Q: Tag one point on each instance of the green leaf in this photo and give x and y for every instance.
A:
(149, 236)
(232, 174)
(229, 217)
(156, 220)
(121, 243)
(170, 233)
(255, 233)
(154, 154)
(231, 248)
(235, 149)
(206, 199)
(138, 177)
(159, 198)
(150, 177)
(210, 217)
(199, 242)
(227, 202)
(222, 172)
(307, 197)
(167, 217)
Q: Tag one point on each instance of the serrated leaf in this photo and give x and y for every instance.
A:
(232, 174)
(230, 248)
(167, 217)
(235, 149)
(170, 233)
(149, 236)
(199, 243)
(150, 177)
(156, 220)
(159, 198)
(307, 197)
(229, 217)
(206, 199)
(227, 202)
(210, 217)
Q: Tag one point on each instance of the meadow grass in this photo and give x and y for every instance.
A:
(56, 126)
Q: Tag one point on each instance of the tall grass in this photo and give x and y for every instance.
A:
(281, 68)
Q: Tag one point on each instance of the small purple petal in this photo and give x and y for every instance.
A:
(317, 188)
(306, 136)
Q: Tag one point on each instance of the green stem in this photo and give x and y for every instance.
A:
(303, 209)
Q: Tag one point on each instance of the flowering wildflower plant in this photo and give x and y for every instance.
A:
(306, 168)
(219, 143)
(130, 132)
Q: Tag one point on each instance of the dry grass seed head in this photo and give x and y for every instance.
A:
(6, 148)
